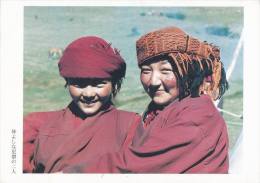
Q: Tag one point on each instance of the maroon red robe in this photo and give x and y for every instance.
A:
(54, 140)
(188, 136)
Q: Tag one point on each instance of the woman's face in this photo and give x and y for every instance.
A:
(160, 82)
(90, 95)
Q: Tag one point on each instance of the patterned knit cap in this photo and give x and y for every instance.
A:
(184, 50)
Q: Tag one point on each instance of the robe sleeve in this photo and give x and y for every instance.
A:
(131, 131)
(172, 149)
(31, 127)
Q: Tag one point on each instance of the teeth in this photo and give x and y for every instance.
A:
(88, 102)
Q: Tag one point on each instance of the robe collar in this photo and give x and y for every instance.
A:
(74, 109)
(153, 110)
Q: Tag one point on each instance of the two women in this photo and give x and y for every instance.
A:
(90, 125)
(181, 131)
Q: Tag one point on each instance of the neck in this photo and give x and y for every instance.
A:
(154, 106)
(79, 113)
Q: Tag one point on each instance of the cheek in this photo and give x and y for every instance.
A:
(145, 79)
(74, 92)
(170, 81)
(105, 92)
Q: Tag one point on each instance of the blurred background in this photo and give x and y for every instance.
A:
(48, 30)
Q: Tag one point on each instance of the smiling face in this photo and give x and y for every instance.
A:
(90, 95)
(160, 82)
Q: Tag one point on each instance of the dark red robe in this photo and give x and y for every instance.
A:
(188, 136)
(54, 140)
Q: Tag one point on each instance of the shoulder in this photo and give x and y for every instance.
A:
(202, 103)
(36, 119)
(203, 113)
(200, 110)
(127, 114)
(43, 115)
(199, 107)
(127, 119)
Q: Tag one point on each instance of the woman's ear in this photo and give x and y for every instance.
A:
(207, 88)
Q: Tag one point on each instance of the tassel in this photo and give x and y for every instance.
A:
(176, 63)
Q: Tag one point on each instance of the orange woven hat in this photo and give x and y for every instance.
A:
(183, 49)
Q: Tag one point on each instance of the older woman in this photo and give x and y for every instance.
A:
(182, 131)
(90, 126)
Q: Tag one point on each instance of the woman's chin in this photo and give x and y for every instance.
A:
(90, 109)
(162, 102)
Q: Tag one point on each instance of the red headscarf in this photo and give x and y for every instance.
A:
(91, 57)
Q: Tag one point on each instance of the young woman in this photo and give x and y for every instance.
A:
(90, 126)
(182, 131)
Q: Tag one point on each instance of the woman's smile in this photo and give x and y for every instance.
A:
(159, 92)
(88, 101)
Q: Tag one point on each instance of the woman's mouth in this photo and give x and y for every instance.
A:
(158, 92)
(88, 102)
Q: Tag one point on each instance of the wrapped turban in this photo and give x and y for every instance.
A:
(91, 57)
(184, 51)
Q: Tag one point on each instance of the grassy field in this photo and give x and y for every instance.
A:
(49, 27)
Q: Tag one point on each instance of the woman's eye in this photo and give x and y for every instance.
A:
(166, 71)
(100, 85)
(76, 85)
(145, 71)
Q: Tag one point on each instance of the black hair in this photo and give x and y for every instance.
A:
(189, 84)
(117, 79)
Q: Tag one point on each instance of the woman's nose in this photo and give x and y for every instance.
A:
(88, 91)
(155, 79)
